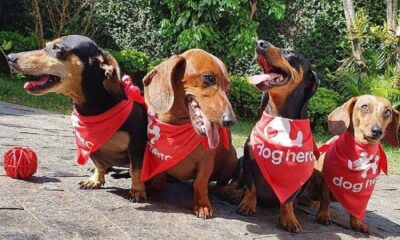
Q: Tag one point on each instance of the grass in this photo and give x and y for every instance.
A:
(11, 90)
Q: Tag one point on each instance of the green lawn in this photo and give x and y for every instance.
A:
(11, 90)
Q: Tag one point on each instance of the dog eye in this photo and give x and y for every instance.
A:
(387, 112)
(209, 79)
(364, 108)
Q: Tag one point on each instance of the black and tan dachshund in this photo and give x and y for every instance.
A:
(288, 83)
(76, 67)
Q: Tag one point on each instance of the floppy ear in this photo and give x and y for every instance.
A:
(339, 119)
(315, 80)
(158, 90)
(112, 74)
(392, 130)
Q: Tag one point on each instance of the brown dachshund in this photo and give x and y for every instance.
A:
(362, 122)
(76, 67)
(288, 83)
(192, 88)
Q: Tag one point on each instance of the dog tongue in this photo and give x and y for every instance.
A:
(32, 84)
(211, 132)
(263, 77)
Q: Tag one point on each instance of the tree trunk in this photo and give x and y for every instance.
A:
(38, 23)
(389, 15)
(253, 9)
(356, 48)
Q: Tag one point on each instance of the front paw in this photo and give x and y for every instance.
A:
(247, 208)
(202, 211)
(137, 195)
(323, 218)
(359, 226)
(91, 184)
(290, 224)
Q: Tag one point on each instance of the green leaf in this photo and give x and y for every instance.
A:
(7, 45)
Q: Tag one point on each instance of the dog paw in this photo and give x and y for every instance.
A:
(204, 212)
(323, 218)
(137, 195)
(360, 227)
(290, 225)
(91, 184)
(246, 209)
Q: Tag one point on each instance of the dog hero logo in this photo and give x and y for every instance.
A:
(153, 129)
(363, 164)
(277, 145)
(278, 131)
(82, 141)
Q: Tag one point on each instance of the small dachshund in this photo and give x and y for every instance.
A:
(354, 159)
(76, 67)
(190, 90)
(288, 83)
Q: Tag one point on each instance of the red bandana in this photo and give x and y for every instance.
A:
(285, 152)
(169, 144)
(91, 132)
(351, 169)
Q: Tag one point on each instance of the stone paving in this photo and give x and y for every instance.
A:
(51, 206)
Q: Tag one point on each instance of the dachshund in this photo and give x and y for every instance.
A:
(76, 67)
(188, 94)
(288, 83)
(354, 159)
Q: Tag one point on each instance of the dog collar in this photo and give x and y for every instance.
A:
(351, 169)
(285, 152)
(169, 144)
(91, 132)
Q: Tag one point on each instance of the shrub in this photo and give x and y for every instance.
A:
(19, 43)
(133, 63)
(323, 102)
(244, 97)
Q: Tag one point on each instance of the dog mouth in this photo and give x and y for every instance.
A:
(202, 125)
(272, 77)
(40, 83)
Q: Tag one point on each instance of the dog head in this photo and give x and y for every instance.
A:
(371, 119)
(195, 83)
(68, 65)
(286, 73)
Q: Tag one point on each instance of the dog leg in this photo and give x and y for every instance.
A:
(323, 211)
(288, 219)
(138, 190)
(248, 205)
(358, 225)
(201, 206)
(97, 179)
(156, 187)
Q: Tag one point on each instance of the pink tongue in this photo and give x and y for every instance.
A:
(263, 77)
(211, 132)
(40, 82)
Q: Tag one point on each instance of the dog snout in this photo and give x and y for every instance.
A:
(228, 120)
(261, 45)
(376, 131)
(12, 58)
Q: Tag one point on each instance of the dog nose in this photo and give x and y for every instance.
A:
(228, 120)
(262, 44)
(12, 58)
(376, 132)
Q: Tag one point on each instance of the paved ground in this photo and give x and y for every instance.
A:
(50, 205)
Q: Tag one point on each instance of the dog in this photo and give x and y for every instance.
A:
(189, 114)
(288, 83)
(348, 175)
(76, 67)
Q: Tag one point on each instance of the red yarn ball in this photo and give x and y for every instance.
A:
(20, 162)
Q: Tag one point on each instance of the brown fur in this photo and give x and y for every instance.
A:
(350, 116)
(166, 87)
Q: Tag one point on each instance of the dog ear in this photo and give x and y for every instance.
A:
(158, 90)
(392, 130)
(339, 119)
(112, 73)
